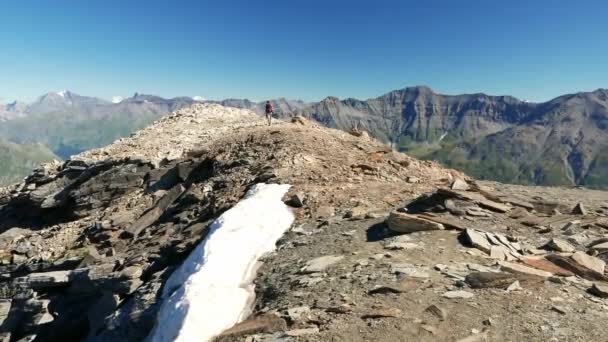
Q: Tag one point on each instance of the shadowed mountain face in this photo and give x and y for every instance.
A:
(560, 142)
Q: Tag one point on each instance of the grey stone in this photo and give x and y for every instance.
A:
(459, 184)
(599, 289)
(321, 264)
(477, 239)
(296, 200)
(437, 311)
(579, 209)
(559, 245)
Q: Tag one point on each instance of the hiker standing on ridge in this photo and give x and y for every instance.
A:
(269, 112)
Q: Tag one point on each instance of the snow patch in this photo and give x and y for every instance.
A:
(117, 99)
(62, 93)
(443, 136)
(213, 289)
(199, 98)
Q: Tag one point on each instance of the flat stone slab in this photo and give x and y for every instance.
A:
(406, 223)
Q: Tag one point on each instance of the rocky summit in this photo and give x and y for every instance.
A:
(384, 247)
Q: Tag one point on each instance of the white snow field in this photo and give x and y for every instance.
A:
(213, 289)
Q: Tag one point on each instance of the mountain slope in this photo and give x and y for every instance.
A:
(563, 141)
(17, 161)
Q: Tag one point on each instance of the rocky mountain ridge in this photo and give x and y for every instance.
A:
(100, 233)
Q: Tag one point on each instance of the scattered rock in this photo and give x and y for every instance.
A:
(382, 311)
(458, 294)
(559, 245)
(437, 311)
(515, 286)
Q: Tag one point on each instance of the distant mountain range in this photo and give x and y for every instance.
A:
(68, 123)
(560, 142)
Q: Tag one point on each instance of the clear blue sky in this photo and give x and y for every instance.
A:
(305, 49)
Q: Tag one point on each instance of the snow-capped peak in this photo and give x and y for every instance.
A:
(62, 93)
(117, 99)
(198, 98)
